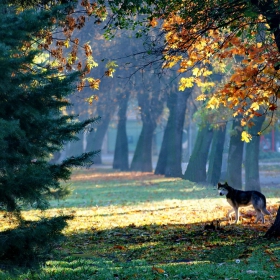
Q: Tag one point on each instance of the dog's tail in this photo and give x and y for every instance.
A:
(265, 211)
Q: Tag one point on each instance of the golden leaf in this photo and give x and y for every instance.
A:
(186, 83)
(153, 22)
(246, 137)
(195, 71)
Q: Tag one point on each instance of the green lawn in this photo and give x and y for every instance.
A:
(141, 226)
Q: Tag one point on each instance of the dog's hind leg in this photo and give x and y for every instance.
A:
(259, 216)
(265, 212)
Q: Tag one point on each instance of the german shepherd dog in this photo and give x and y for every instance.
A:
(238, 198)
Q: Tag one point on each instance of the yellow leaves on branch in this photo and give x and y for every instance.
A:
(91, 99)
(93, 83)
(111, 66)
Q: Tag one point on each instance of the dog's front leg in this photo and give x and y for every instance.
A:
(236, 209)
(230, 212)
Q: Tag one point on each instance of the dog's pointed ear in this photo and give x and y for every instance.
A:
(226, 183)
(219, 184)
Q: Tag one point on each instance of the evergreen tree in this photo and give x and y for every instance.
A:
(32, 127)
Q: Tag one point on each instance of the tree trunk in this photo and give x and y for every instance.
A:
(95, 138)
(142, 159)
(170, 157)
(216, 155)
(151, 108)
(196, 169)
(121, 148)
(162, 158)
(252, 177)
(274, 230)
(235, 156)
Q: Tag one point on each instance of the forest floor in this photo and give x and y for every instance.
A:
(132, 225)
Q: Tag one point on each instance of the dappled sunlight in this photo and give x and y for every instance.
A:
(152, 226)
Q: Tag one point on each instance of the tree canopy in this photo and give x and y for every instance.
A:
(239, 38)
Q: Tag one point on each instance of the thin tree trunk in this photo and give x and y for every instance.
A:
(96, 137)
(196, 169)
(121, 147)
(216, 155)
(252, 177)
(235, 156)
(162, 158)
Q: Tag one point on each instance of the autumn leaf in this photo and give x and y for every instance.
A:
(186, 83)
(196, 71)
(153, 22)
(158, 270)
(93, 83)
(246, 137)
(272, 107)
(91, 99)
(119, 247)
(255, 106)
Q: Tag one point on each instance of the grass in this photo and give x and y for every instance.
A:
(142, 226)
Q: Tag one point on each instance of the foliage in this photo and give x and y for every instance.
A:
(33, 127)
(238, 38)
(26, 244)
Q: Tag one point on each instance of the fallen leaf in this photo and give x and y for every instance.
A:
(120, 247)
(157, 269)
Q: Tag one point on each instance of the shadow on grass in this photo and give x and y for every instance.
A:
(164, 246)
(177, 251)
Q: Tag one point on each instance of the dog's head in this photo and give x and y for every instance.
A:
(223, 188)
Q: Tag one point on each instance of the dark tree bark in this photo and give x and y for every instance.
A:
(95, 138)
(121, 148)
(235, 156)
(151, 109)
(196, 169)
(216, 155)
(274, 230)
(170, 156)
(252, 177)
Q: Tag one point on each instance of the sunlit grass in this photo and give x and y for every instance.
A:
(142, 226)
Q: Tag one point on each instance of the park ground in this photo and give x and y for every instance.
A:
(129, 225)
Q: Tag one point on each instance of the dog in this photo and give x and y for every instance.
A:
(238, 198)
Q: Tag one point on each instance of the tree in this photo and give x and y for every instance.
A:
(252, 150)
(106, 109)
(216, 155)
(196, 169)
(170, 156)
(235, 156)
(32, 128)
(121, 148)
(151, 107)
